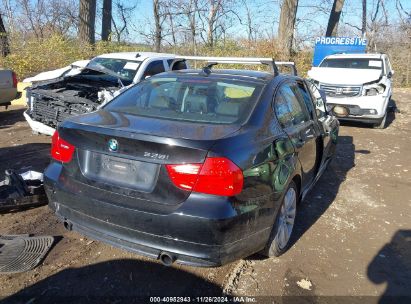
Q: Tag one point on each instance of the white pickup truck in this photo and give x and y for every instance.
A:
(358, 86)
(80, 89)
(8, 87)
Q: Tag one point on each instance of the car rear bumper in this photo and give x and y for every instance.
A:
(38, 126)
(212, 243)
(149, 245)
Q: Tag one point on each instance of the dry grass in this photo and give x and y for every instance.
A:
(30, 56)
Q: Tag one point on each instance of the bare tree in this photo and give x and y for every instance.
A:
(87, 15)
(251, 30)
(335, 14)
(189, 9)
(42, 18)
(124, 15)
(215, 7)
(106, 20)
(287, 24)
(216, 17)
(4, 43)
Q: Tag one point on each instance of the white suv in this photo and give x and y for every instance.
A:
(358, 86)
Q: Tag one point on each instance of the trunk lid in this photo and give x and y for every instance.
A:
(124, 155)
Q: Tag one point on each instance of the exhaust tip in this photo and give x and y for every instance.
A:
(68, 225)
(167, 259)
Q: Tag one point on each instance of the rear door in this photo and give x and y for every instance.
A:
(298, 122)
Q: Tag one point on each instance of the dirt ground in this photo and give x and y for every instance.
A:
(352, 241)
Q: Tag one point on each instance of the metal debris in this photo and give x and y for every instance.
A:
(19, 191)
(21, 253)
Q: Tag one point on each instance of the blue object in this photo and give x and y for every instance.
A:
(325, 46)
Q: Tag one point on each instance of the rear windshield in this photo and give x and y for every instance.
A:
(193, 99)
(352, 63)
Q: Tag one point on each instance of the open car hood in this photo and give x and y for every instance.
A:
(70, 70)
(103, 70)
(342, 76)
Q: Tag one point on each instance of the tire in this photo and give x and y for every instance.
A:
(381, 125)
(279, 240)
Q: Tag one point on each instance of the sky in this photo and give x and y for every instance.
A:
(312, 18)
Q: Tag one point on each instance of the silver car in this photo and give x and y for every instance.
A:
(8, 87)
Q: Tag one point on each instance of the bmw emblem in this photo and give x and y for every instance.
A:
(113, 145)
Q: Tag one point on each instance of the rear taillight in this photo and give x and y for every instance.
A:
(14, 80)
(218, 176)
(61, 150)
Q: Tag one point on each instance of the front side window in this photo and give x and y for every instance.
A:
(318, 100)
(190, 98)
(305, 98)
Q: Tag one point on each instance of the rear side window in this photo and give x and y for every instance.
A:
(180, 65)
(290, 93)
(154, 68)
(191, 98)
(283, 111)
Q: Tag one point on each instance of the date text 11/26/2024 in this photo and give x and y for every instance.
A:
(221, 299)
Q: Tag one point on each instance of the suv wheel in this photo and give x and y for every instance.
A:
(279, 240)
(381, 125)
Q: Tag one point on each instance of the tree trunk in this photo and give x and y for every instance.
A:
(191, 16)
(364, 18)
(214, 7)
(4, 43)
(106, 21)
(87, 21)
(158, 30)
(335, 14)
(286, 27)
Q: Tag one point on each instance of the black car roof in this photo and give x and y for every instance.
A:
(240, 74)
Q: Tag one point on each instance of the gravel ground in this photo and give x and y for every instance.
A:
(352, 240)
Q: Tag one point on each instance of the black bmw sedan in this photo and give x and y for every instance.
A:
(201, 167)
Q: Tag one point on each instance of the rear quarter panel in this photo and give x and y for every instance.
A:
(268, 160)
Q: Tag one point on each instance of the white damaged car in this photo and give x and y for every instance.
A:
(73, 90)
(358, 86)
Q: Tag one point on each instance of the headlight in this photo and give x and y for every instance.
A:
(374, 90)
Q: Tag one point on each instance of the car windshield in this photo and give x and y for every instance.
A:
(352, 63)
(198, 99)
(122, 68)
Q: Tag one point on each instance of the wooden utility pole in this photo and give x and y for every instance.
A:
(335, 14)
(87, 21)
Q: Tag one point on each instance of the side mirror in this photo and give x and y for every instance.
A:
(389, 75)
